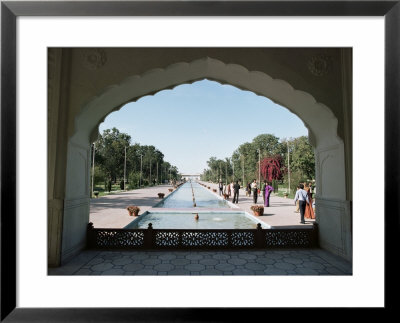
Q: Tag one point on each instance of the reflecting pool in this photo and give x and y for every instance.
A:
(183, 198)
(185, 220)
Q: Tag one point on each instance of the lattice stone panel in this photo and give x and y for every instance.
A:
(119, 239)
(289, 238)
(243, 239)
(187, 239)
(166, 238)
(205, 239)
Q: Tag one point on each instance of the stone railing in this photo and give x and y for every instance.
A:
(201, 239)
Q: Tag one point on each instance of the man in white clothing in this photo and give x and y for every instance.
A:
(302, 197)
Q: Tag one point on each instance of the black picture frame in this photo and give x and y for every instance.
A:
(10, 10)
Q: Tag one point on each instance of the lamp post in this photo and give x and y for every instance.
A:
(125, 170)
(288, 163)
(226, 173)
(157, 173)
(243, 168)
(94, 151)
(141, 162)
(233, 170)
(259, 167)
(150, 172)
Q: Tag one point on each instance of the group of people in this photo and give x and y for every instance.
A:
(229, 189)
(303, 198)
(266, 191)
(303, 201)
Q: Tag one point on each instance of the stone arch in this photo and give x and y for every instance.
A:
(333, 209)
(317, 117)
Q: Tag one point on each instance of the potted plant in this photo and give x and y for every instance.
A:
(170, 189)
(226, 196)
(161, 195)
(96, 193)
(214, 190)
(133, 210)
(285, 195)
(208, 187)
(257, 209)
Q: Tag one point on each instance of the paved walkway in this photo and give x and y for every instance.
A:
(183, 263)
(110, 211)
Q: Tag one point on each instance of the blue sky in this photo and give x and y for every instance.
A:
(193, 122)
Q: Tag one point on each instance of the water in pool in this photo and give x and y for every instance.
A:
(182, 198)
(185, 220)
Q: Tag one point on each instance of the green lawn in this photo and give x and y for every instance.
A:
(115, 188)
(282, 189)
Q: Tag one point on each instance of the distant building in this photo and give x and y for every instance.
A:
(193, 177)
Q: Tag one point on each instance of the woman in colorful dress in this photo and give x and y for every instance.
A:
(309, 212)
(268, 190)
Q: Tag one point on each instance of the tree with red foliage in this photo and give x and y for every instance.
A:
(271, 168)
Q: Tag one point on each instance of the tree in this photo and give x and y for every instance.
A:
(110, 158)
(273, 154)
(268, 144)
(110, 153)
(271, 168)
(302, 157)
(247, 153)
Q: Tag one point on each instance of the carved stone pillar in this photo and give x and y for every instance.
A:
(58, 95)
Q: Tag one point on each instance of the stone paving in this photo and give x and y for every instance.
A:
(255, 262)
(110, 212)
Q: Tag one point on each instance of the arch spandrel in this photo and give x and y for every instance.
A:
(317, 118)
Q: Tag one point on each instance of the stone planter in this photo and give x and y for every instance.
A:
(133, 210)
(257, 210)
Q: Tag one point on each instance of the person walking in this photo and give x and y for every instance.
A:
(309, 212)
(248, 189)
(221, 187)
(236, 188)
(254, 188)
(302, 197)
(228, 190)
(263, 190)
(268, 190)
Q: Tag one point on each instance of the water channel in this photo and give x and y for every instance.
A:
(177, 211)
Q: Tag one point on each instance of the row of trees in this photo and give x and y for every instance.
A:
(143, 165)
(271, 153)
